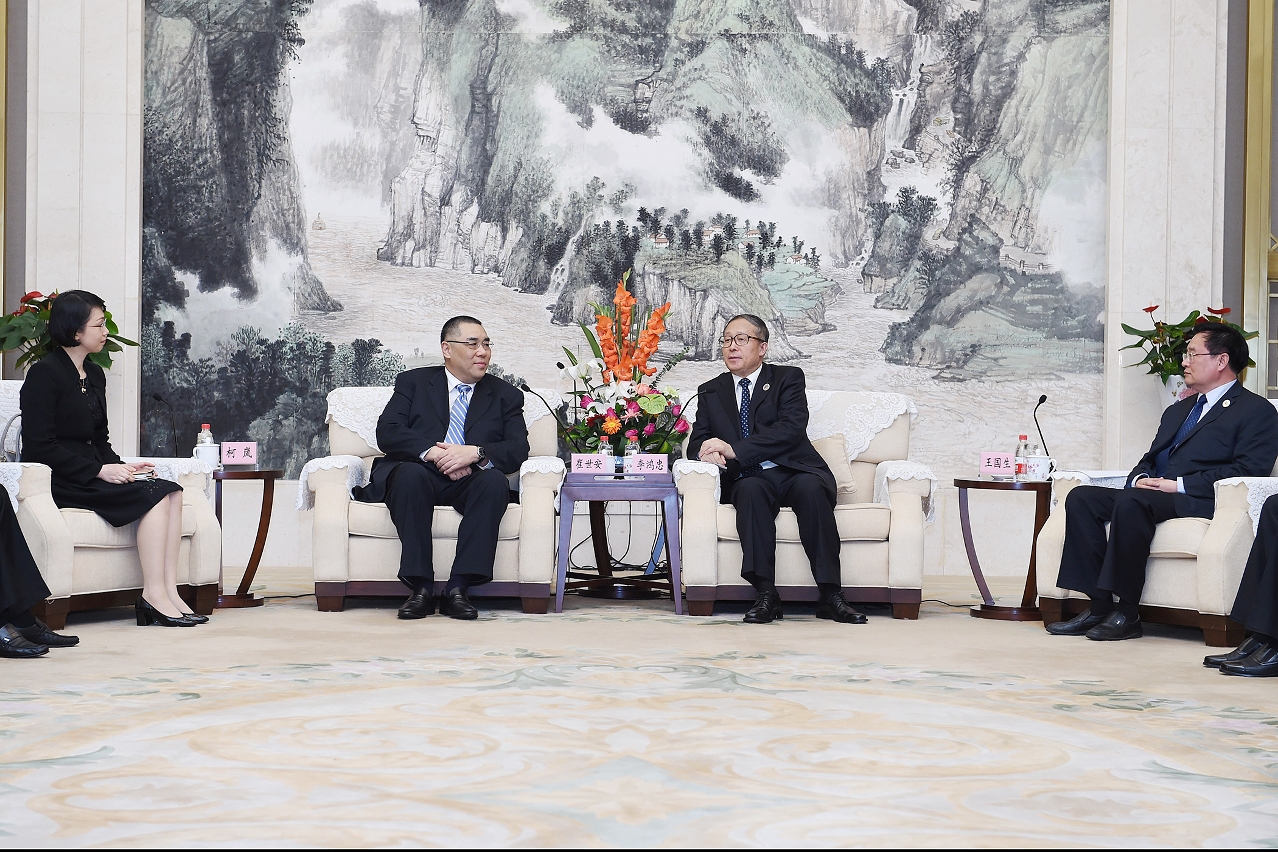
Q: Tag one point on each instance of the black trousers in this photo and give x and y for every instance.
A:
(758, 499)
(1097, 566)
(21, 586)
(1256, 606)
(413, 492)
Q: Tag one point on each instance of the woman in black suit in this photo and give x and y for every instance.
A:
(64, 425)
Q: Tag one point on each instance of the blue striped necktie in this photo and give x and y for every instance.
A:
(457, 416)
(1162, 459)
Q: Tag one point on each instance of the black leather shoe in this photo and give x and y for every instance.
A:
(837, 609)
(1076, 626)
(16, 646)
(420, 604)
(1242, 652)
(195, 617)
(766, 609)
(455, 604)
(40, 634)
(1263, 662)
(148, 615)
(1116, 626)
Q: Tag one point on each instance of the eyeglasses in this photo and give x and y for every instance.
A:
(101, 324)
(473, 345)
(739, 339)
(1189, 355)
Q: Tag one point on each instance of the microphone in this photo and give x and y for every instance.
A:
(1042, 399)
(562, 425)
(172, 427)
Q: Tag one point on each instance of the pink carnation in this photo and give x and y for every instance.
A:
(675, 409)
(644, 390)
(681, 425)
(587, 399)
(650, 428)
(632, 433)
(632, 407)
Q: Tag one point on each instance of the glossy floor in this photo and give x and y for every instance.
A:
(623, 725)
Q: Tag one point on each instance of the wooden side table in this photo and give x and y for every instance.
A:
(1027, 611)
(242, 596)
(596, 489)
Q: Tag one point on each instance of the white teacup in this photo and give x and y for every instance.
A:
(1039, 468)
(211, 453)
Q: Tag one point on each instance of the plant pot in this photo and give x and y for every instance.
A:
(1173, 390)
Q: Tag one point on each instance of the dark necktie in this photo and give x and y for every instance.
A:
(1160, 461)
(745, 422)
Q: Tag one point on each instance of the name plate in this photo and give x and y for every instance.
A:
(997, 464)
(645, 463)
(590, 463)
(239, 452)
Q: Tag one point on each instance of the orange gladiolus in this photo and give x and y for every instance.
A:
(649, 338)
(607, 345)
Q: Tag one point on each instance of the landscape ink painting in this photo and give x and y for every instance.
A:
(910, 192)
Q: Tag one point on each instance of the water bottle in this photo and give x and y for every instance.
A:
(632, 447)
(1022, 450)
(206, 435)
(205, 449)
(610, 461)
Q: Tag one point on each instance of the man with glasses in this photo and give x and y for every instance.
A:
(1222, 430)
(752, 421)
(450, 435)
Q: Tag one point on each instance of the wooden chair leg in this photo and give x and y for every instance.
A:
(330, 603)
(700, 607)
(205, 599)
(1220, 631)
(1052, 609)
(905, 610)
(55, 612)
(535, 606)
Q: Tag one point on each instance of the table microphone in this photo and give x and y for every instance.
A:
(172, 427)
(1042, 399)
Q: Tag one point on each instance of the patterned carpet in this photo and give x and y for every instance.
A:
(623, 725)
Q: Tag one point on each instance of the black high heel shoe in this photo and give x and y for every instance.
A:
(195, 617)
(148, 615)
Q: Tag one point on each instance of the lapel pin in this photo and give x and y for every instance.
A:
(765, 387)
(1225, 404)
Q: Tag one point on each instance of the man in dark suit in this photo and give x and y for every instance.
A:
(450, 435)
(752, 422)
(1222, 430)
(1256, 605)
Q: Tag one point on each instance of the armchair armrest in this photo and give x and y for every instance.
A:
(539, 480)
(698, 486)
(909, 490)
(1222, 556)
(326, 485)
(41, 523)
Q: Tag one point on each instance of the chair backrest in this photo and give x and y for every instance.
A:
(353, 414)
(10, 419)
(875, 428)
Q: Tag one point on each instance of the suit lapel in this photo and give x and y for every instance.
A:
(437, 393)
(762, 388)
(1212, 413)
(480, 403)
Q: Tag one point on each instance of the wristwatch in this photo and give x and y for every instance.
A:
(482, 455)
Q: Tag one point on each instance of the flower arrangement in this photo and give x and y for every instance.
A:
(615, 396)
(27, 329)
(1165, 343)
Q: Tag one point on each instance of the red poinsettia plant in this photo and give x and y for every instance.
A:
(615, 398)
(27, 329)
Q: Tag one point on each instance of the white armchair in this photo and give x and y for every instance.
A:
(89, 564)
(882, 504)
(356, 549)
(1195, 564)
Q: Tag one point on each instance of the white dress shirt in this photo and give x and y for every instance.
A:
(753, 380)
(454, 385)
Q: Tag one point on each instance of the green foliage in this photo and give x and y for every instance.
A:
(1166, 342)
(27, 329)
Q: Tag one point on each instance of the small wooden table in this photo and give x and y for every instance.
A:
(1027, 611)
(598, 488)
(242, 596)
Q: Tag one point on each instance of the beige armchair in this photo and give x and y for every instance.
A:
(355, 546)
(89, 564)
(1195, 564)
(882, 504)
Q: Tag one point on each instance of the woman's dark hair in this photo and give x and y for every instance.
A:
(69, 313)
